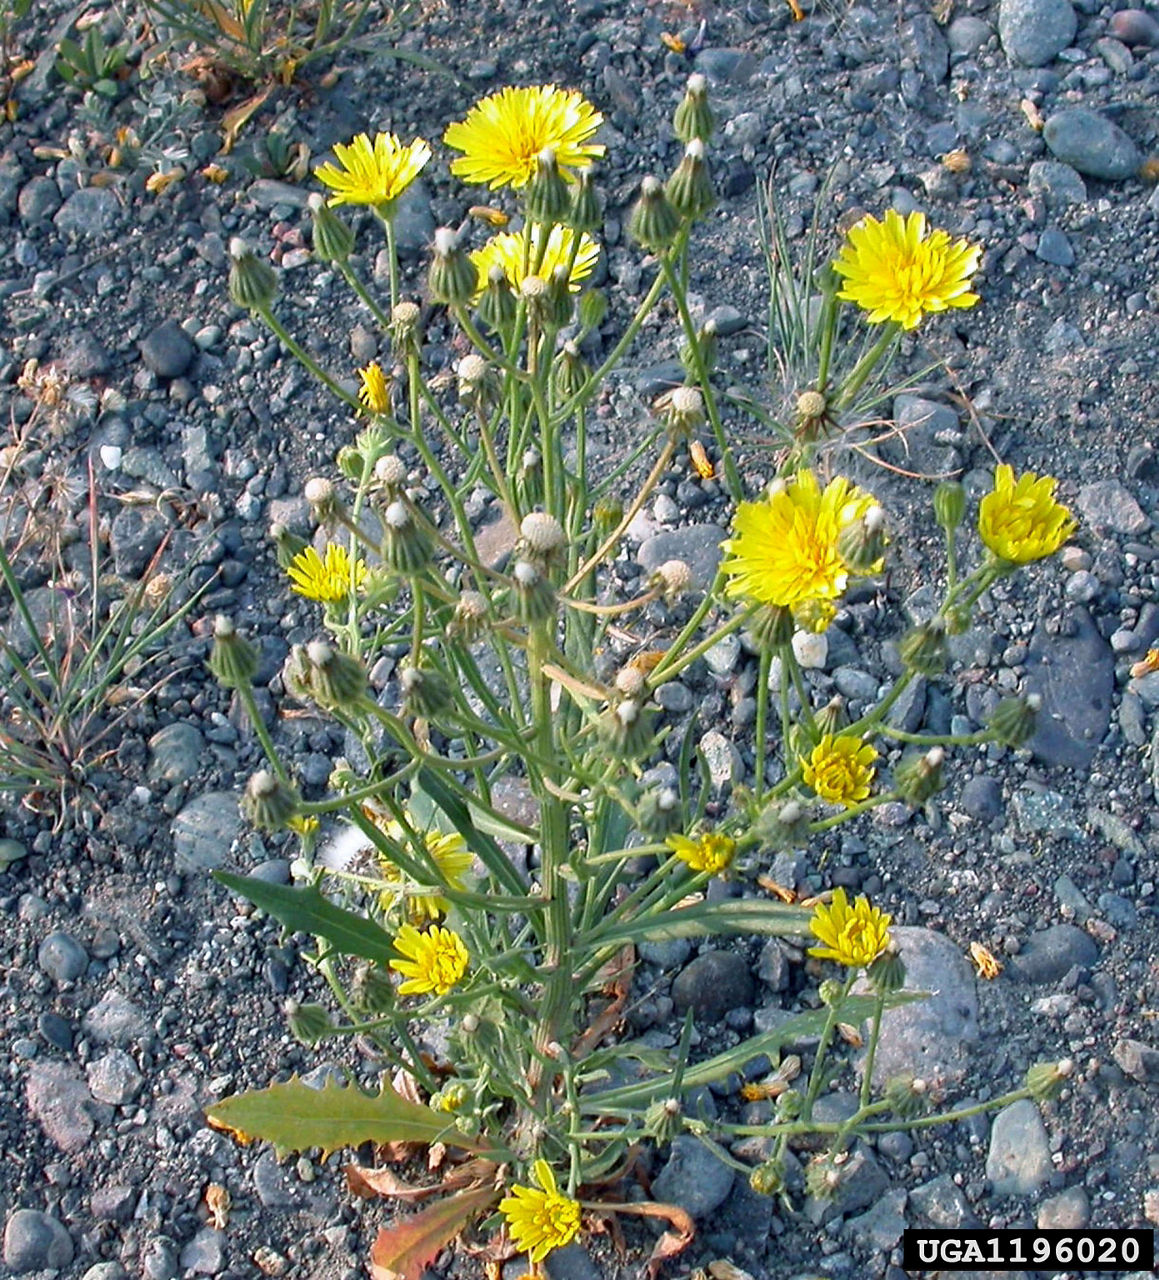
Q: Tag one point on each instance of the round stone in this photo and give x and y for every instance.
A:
(713, 984)
(62, 957)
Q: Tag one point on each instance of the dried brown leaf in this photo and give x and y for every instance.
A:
(402, 1252)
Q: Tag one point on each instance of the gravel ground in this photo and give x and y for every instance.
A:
(135, 992)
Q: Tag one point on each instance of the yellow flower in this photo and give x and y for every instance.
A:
(432, 961)
(709, 852)
(1020, 520)
(375, 390)
(503, 134)
(855, 936)
(541, 1220)
(840, 768)
(450, 855)
(509, 250)
(373, 173)
(784, 550)
(895, 271)
(326, 580)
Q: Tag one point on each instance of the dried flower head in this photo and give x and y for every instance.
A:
(542, 532)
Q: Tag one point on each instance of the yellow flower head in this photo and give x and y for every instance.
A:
(895, 271)
(504, 133)
(328, 579)
(449, 853)
(840, 768)
(510, 251)
(540, 1220)
(432, 961)
(853, 936)
(375, 390)
(784, 550)
(373, 173)
(709, 852)
(1020, 520)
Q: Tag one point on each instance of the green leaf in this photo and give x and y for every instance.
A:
(483, 846)
(708, 919)
(305, 910)
(295, 1117)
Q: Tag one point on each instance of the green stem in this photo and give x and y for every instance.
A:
(871, 1051)
(853, 811)
(818, 1072)
(306, 360)
(763, 665)
(865, 366)
(246, 693)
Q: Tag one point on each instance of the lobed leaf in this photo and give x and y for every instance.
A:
(295, 1117)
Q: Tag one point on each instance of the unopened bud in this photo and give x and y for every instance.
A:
(233, 660)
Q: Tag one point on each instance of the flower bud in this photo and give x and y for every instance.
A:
(658, 814)
(350, 461)
(606, 516)
(584, 214)
(1014, 719)
(548, 195)
(830, 992)
(453, 278)
(783, 825)
(814, 615)
(822, 1177)
(832, 717)
(560, 304)
(529, 477)
(268, 802)
(233, 660)
(908, 1096)
(426, 692)
(406, 544)
(705, 348)
(768, 1179)
(918, 775)
(336, 679)
(496, 308)
(452, 1097)
(1045, 1080)
(682, 409)
(654, 223)
(333, 239)
(949, 504)
(663, 1121)
(862, 543)
(287, 544)
(478, 386)
(924, 648)
(693, 117)
(309, 1023)
(372, 990)
(571, 372)
(689, 189)
(252, 283)
(625, 727)
(534, 596)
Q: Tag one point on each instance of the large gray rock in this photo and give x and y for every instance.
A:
(1091, 144)
(930, 1038)
(204, 830)
(60, 1100)
(693, 1178)
(35, 1242)
(1075, 677)
(1018, 1163)
(1034, 31)
(1051, 953)
(698, 545)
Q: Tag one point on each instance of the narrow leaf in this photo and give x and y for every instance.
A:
(483, 846)
(295, 1117)
(748, 915)
(404, 1250)
(305, 910)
